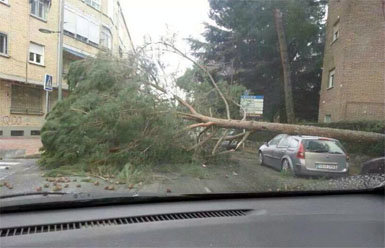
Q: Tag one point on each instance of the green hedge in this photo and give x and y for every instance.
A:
(368, 126)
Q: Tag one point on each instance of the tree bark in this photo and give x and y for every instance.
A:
(342, 134)
(289, 106)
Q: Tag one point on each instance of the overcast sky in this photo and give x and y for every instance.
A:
(158, 17)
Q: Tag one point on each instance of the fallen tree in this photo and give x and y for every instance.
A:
(358, 136)
(119, 118)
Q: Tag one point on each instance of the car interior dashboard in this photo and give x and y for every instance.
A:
(335, 220)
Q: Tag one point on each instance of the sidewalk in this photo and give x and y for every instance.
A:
(19, 146)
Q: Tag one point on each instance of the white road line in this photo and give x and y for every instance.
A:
(9, 163)
(9, 174)
(207, 190)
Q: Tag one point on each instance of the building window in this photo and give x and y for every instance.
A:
(106, 38)
(336, 31)
(3, 43)
(81, 27)
(26, 100)
(39, 8)
(36, 53)
(331, 78)
(93, 3)
(328, 118)
(35, 132)
(17, 133)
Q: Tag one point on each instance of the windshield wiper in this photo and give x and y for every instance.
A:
(32, 193)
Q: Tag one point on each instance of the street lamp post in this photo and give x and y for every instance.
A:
(60, 49)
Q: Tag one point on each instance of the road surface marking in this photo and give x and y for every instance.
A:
(207, 190)
(9, 163)
(9, 174)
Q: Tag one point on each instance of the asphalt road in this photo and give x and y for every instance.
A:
(241, 173)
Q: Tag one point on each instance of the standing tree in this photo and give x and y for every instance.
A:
(285, 66)
(241, 46)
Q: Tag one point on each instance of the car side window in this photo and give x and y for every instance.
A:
(275, 140)
(284, 142)
(293, 143)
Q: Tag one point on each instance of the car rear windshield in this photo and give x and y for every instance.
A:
(324, 146)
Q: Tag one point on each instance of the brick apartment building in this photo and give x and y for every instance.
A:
(27, 54)
(353, 75)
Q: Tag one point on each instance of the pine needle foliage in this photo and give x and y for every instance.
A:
(110, 120)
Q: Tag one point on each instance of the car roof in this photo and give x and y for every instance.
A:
(310, 137)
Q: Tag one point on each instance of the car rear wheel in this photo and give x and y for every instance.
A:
(260, 158)
(286, 168)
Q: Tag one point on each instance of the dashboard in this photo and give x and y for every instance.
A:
(353, 220)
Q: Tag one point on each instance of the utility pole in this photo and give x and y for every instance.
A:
(60, 51)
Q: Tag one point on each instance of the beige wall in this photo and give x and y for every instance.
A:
(22, 28)
(15, 120)
(358, 57)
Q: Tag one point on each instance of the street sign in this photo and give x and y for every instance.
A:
(253, 105)
(48, 82)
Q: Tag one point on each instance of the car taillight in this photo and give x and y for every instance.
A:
(301, 151)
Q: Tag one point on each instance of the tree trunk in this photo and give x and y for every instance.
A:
(342, 134)
(289, 106)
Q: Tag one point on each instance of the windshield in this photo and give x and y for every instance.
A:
(323, 146)
(165, 97)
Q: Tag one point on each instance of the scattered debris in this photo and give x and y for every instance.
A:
(109, 187)
(131, 186)
(86, 180)
(96, 183)
(204, 166)
(235, 174)
(46, 185)
(74, 180)
(168, 190)
(38, 189)
(57, 187)
(79, 185)
(66, 185)
(227, 176)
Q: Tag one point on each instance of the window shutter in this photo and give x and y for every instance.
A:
(34, 48)
(94, 32)
(69, 21)
(82, 26)
(111, 9)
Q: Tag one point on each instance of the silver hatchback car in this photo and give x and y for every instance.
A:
(305, 155)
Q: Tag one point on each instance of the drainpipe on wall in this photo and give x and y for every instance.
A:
(60, 50)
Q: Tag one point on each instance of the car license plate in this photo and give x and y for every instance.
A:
(326, 166)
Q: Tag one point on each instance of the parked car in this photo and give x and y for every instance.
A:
(231, 144)
(305, 155)
(373, 166)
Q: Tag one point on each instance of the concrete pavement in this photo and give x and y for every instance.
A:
(19, 146)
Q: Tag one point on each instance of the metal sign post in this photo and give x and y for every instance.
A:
(47, 88)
